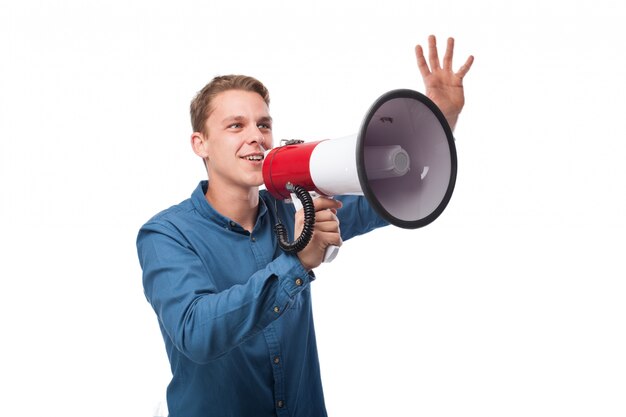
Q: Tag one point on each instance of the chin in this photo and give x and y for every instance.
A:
(256, 181)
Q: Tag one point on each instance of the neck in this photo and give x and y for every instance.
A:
(240, 205)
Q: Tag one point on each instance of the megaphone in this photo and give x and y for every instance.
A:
(403, 160)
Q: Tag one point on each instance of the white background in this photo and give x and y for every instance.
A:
(511, 304)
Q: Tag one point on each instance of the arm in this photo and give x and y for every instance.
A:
(202, 321)
(443, 86)
(357, 216)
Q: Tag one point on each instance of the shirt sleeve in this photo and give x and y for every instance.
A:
(202, 322)
(357, 217)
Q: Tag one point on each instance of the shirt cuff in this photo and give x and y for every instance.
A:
(292, 278)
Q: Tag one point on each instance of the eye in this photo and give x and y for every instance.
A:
(265, 126)
(234, 126)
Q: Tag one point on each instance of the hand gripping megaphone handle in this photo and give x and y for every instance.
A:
(332, 250)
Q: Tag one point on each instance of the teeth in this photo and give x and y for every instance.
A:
(254, 158)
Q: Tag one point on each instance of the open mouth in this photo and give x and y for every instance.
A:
(253, 158)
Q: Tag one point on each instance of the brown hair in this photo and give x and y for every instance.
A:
(200, 108)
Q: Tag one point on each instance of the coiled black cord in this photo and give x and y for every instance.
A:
(309, 221)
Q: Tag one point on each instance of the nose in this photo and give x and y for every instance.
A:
(257, 136)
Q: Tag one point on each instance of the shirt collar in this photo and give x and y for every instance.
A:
(201, 204)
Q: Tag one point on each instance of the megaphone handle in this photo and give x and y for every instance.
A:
(331, 253)
(332, 250)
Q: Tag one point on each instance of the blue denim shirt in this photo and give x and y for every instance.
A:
(234, 310)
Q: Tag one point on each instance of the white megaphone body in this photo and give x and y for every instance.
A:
(403, 160)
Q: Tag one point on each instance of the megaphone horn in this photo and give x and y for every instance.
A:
(403, 160)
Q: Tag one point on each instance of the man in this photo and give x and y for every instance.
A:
(234, 310)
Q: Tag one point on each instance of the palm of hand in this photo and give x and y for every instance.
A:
(445, 89)
(443, 86)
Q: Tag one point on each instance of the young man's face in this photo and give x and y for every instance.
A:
(239, 131)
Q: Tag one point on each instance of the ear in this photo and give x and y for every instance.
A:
(199, 145)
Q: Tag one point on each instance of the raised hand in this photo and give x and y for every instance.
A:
(443, 86)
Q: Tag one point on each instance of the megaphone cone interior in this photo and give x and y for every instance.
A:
(410, 120)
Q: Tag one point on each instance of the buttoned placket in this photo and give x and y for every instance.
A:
(261, 248)
(278, 372)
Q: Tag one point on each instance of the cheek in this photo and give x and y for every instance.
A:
(223, 148)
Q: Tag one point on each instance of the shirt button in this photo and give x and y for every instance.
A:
(280, 403)
(276, 309)
(299, 281)
(253, 239)
(276, 360)
(232, 224)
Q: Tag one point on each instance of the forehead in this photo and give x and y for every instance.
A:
(232, 103)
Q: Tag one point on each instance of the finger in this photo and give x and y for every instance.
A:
(433, 56)
(323, 203)
(326, 216)
(328, 238)
(447, 58)
(421, 61)
(327, 227)
(465, 67)
(335, 239)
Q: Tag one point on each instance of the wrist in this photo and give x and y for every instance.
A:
(451, 118)
(304, 263)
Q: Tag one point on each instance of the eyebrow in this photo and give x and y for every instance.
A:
(264, 119)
